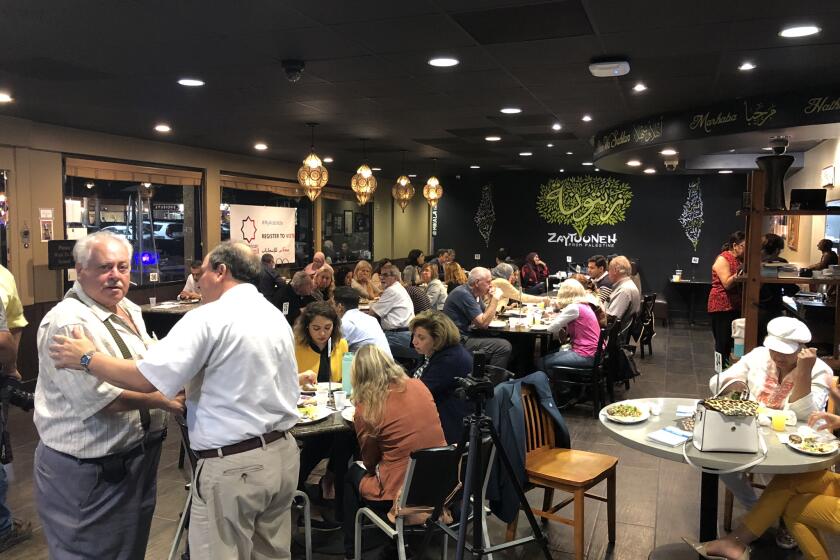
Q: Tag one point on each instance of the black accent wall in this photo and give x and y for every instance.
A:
(650, 233)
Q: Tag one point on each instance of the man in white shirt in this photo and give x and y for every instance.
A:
(191, 289)
(394, 308)
(625, 299)
(96, 463)
(235, 354)
(357, 327)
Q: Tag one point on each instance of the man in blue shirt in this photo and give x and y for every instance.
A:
(357, 327)
(465, 306)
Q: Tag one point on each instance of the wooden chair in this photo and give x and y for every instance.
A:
(729, 499)
(568, 470)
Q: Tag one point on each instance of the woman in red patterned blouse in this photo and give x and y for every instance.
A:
(725, 296)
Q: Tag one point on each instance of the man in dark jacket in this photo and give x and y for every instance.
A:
(267, 281)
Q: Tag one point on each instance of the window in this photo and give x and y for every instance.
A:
(4, 216)
(346, 230)
(157, 210)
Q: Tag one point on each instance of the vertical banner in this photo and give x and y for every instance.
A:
(267, 229)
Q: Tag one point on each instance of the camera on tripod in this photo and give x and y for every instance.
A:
(11, 392)
(477, 385)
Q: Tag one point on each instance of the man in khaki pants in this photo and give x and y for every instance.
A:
(235, 355)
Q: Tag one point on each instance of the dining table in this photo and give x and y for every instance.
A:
(523, 333)
(780, 459)
(161, 317)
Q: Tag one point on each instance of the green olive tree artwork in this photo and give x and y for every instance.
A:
(584, 201)
(691, 218)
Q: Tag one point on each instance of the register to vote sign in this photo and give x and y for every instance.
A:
(267, 229)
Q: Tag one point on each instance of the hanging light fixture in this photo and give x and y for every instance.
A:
(363, 182)
(433, 190)
(403, 190)
(312, 176)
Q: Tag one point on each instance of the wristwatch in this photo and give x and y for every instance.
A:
(86, 358)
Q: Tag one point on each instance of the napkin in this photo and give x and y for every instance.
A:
(684, 411)
(669, 436)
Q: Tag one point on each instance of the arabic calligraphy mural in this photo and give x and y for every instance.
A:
(584, 201)
(759, 114)
(485, 216)
(691, 218)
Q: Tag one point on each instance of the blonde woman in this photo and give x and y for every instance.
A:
(453, 276)
(362, 281)
(435, 289)
(388, 405)
(578, 317)
(324, 283)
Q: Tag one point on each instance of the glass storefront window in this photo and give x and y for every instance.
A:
(303, 224)
(160, 220)
(4, 217)
(346, 229)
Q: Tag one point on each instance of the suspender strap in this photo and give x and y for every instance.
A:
(145, 416)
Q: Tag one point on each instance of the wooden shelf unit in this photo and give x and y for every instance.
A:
(752, 278)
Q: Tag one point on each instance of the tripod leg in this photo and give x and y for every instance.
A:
(472, 457)
(523, 501)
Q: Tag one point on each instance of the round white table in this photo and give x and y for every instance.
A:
(780, 458)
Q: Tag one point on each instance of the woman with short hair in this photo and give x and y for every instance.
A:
(362, 282)
(436, 338)
(435, 289)
(395, 416)
(503, 278)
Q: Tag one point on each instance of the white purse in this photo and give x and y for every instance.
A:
(724, 425)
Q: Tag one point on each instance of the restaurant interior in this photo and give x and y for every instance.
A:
(567, 128)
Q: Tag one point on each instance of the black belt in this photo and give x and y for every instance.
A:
(113, 466)
(401, 329)
(242, 446)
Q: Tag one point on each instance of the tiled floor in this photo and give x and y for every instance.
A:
(658, 500)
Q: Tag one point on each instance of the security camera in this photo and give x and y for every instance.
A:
(671, 164)
(779, 144)
(293, 68)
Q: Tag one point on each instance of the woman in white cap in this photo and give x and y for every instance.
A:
(782, 374)
(808, 502)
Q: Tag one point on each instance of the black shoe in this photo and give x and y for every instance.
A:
(19, 532)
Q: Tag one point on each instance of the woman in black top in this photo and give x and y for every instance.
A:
(436, 337)
(770, 296)
(828, 257)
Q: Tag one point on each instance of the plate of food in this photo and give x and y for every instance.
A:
(311, 414)
(627, 412)
(348, 413)
(497, 324)
(812, 445)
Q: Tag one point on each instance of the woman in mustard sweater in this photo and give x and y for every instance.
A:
(319, 347)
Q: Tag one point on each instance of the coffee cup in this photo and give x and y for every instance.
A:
(340, 399)
(152, 301)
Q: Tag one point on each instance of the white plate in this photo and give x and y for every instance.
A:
(497, 324)
(348, 413)
(834, 447)
(329, 386)
(320, 414)
(628, 419)
(538, 327)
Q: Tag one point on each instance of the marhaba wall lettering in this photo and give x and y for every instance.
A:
(691, 218)
(485, 216)
(584, 201)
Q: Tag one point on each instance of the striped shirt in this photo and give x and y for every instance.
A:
(69, 403)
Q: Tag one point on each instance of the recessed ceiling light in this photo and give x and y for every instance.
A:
(412, 175)
(799, 31)
(492, 138)
(163, 127)
(725, 171)
(556, 126)
(587, 163)
(562, 171)
(639, 87)
(767, 149)
(328, 160)
(668, 152)
(596, 169)
(475, 167)
(586, 118)
(511, 110)
(526, 154)
(570, 153)
(260, 146)
(376, 169)
(5, 97)
(650, 170)
(191, 82)
(634, 163)
(746, 66)
(90, 184)
(443, 62)
(549, 145)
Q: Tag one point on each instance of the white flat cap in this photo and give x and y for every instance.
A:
(786, 335)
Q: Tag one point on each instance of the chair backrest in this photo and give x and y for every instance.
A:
(646, 313)
(604, 338)
(539, 427)
(431, 477)
(831, 406)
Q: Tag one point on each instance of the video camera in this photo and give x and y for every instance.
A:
(477, 385)
(10, 392)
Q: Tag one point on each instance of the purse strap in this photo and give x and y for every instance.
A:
(740, 468)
